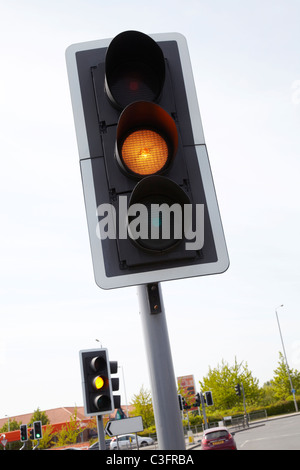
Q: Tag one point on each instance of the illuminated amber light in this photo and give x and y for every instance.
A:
(99, 382)
(145, 152)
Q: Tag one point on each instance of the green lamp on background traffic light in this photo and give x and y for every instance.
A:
(23, 433)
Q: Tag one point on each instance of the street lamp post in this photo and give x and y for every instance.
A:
(287, 366)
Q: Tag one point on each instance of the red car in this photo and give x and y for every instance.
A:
(218, 439)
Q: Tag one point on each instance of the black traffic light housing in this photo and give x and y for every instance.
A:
(97, 384)
(180, 402)
(209, 399)
(185, 405)
(197, 400)
(23, 433)
(141, 143)
(238, 390)
(37, 430)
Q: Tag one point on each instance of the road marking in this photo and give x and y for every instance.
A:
(268, 438)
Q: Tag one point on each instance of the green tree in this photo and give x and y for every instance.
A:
(222, 380)
(281, 383)
(142, 403)
(267, 394)
(39, 415)
(69, 433)
(13, 425)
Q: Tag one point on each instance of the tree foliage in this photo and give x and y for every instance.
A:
(39, 415)
(69, 433)
(281, 384)
(222, 380)
(13, 425)
(10, 425)
(142, 403)
(48, 439)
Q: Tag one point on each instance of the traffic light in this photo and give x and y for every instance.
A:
(209, 399)
(180, 402)
(150, 201)
(97, 383)
(114, 382)
(37, 430)
(197, 400)
(23, 433)
(238, 390)
(184, 404)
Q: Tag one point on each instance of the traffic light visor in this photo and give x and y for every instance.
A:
(102, 402)
(147, 139)
(134, 69)
(98, 363)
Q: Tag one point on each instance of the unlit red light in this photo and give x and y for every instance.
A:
(134, 85)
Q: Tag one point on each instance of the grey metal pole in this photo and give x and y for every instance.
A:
(244, 403)
(203, 410)
(287, 366)
(36, 445)
(101, 436)
(162, 378)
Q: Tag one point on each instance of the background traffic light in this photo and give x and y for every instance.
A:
(37, 430)
(197, 400)
(97, 383)
(209, 399)
(150, 201)
(180, 402)
(114, 381)
(185, 404)
(23, 433)
(238, 390)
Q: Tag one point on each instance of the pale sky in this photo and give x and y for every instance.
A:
(245, 59)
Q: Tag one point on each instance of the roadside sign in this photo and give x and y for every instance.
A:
(187, 384)
(124, 426)
(4, 442)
